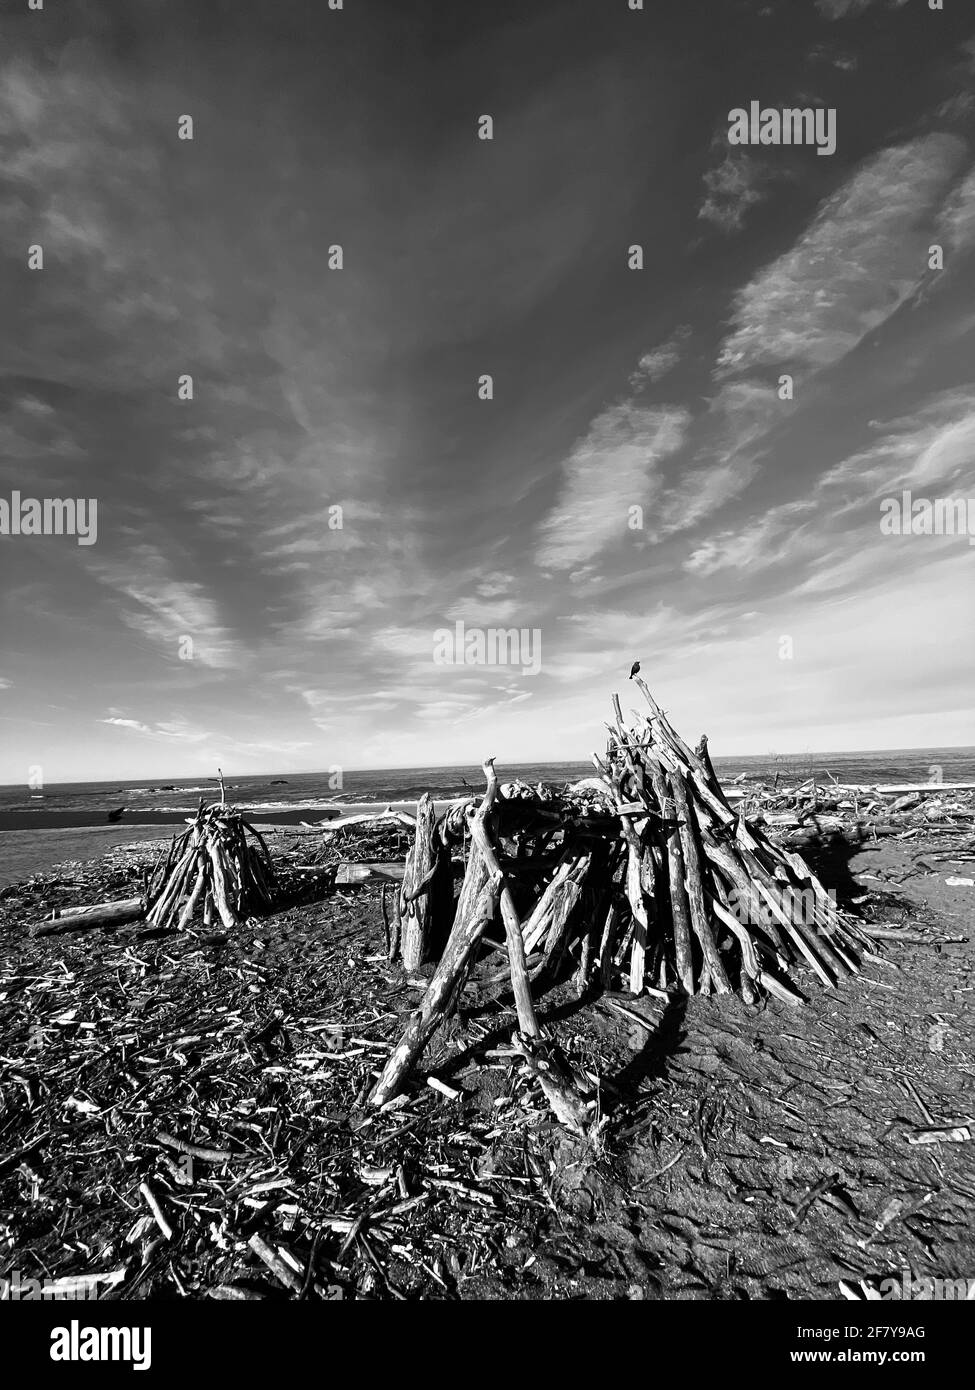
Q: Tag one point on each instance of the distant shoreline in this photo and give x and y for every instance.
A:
(134, 818)
(319, 812)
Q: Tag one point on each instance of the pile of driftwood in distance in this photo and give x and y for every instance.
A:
(213, 865)
(653, 874)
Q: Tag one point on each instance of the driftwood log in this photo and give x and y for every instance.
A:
(99, 915)
(426, 899)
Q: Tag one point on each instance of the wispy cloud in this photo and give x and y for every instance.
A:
(176, 615)
(850, 9)
(864, 253)
(655, 364)
(736, 184)
(177, 729)
(613, 468)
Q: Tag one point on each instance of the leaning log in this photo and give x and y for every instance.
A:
(433, 1007)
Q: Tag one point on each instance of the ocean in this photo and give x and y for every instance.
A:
(39, 829)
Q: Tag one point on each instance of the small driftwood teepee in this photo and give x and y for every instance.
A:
(213, 865)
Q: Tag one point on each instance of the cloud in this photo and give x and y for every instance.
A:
(933, 446)
(955, 228)
(168, 729)
(127, 724)
(655, 364)
(611, 469)
(484, 612)
(857, 263)
(830, 539)
(842, 9)
(735, 185)
(757, 545)
(167, 610)
(850, 9)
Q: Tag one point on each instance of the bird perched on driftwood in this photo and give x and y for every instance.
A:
(634, 669)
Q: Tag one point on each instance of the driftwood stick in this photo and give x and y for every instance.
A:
(679, 907)
(385, 912)
(173, 888)
(219, 890)
(416, 904)
(634, 859)
(675, 755)
(542, 1060)
(749, 956)
(638, 907)
(812, 947)
(797, 939)
(539, 922)
(396, 928)
(568, 1106)
(186, 916)
(527, 1021)
(433, 1007)
(563, 914)
(707, 767)
(728, 863)
(695, 886)
(607, 943)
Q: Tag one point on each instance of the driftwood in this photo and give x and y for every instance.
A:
(349, 873)
(221, 863)
(648, 878)
(485, 888)
(70, 919)
(433, 1008)
(426, 897)
(658, 878)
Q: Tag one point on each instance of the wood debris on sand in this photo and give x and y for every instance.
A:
(189, 1110)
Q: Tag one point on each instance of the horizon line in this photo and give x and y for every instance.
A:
(540, 762)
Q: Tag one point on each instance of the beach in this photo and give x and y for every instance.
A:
(751, 1152)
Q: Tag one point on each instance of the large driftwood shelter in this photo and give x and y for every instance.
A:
(648, 869)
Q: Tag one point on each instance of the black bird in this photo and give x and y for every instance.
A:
(117, 815)
(634, 669)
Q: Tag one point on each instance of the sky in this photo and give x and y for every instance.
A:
(638, 485)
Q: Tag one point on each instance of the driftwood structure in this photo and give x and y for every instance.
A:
(645, 876)
(213, 865)
(646, 872)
